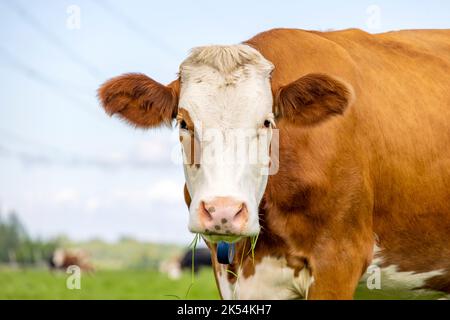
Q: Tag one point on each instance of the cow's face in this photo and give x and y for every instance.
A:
(225, 122)
(223, 104)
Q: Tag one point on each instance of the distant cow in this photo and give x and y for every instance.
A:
(202, 258)
(63, 258)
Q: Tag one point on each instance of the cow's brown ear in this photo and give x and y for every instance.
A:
(312, 99)
(140, 100)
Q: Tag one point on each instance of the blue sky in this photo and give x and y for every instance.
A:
(68, 168)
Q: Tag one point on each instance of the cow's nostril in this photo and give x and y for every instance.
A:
(211, 209)
(205, 213)
(240, 212)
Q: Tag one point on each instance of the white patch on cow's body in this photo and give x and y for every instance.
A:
(406, 279)
(225, 287)
(224, 89)
(272, 280)
(391, 277)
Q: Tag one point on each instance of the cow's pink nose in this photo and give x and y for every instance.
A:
(223, 215)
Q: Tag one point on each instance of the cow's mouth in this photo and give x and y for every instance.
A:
(215, 238)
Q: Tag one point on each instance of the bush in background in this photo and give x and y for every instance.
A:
(17, 247)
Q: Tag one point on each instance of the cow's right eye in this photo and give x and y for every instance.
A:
(183, 125)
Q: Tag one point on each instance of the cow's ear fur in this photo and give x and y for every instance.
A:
(140, 100)
(312, 99)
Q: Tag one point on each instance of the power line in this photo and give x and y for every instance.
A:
(55, 40)
(34, 73)
(29, 141)
(137, 28)
(46, 81)
(33, 143)
(43, 155)
(44, 158)
(24, 157)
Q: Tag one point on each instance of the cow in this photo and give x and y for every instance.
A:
(175, 266)
(62, 259)
(358, 127)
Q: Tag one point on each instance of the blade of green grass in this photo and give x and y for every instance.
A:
(193, 246)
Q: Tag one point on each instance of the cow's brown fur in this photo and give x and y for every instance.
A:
(382, 169)
(379, 174)
(140, 100)
(312, 99)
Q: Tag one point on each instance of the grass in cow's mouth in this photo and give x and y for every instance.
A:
(233, 273)
(193, 246)
(215, 238)
(241, 262)
(253, 240)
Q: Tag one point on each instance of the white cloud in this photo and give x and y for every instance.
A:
(166, 191)
(66, 195)
(154, 150)
(92, 204)
(155, 191)
(115, 156)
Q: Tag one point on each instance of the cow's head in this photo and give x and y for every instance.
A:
(226, 109)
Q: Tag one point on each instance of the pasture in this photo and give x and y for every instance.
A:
(137, 284)
(110, 284)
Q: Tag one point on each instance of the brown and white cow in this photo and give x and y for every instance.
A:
(363, 175)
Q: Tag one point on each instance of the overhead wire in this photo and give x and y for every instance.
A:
(44, 80)
(137, 28)
(53, 39)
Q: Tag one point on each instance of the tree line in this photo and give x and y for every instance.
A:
(17, 247)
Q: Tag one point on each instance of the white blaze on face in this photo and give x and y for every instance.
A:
(227, 93)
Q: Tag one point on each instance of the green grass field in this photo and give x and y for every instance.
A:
(129, 284)
(140, 284)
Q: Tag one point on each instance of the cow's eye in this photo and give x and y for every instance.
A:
(183, 125)
(267, 124)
